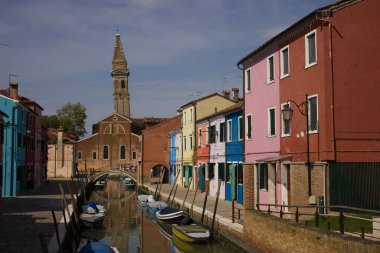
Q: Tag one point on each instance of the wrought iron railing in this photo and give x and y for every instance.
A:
(343, 219)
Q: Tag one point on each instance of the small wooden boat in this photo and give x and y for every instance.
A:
(144, 199)
(129, 183)
(165, 229)
(182, 246)
(170, 215)
(98, 209)
(156, 206)
(191, 233)
(92, 220)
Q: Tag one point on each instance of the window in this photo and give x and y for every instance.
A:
(134, 155)
(211, 134)
(263, 174)
(222, 132)
(285, 62)
(184, 142)
(122, 84)
(105, 153)
(240, 128)
(79, 155)
(229, 130)
(191, 115)
(184, 118)
(221, 173)
(211, 168)
(122, 152)
(271, 122)
(248, 128)
(248, 80)
(191, 142)
(93, 155)
(285, 123)
(199, 137)
(313, 114)
(270, 69)
(311, 49)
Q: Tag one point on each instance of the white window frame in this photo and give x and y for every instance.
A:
(191, 141)
(184, 118)
(282, 122)
(269, 122)
(240, 117)
(191, 115)
(246, 126)
(248, 70)
(307, 63)
(268, 69)
(94, 152)
(229, 129)
(184, 143)
(283, 75)
(308, 100)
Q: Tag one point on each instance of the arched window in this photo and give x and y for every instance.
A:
(122, 84)
(105, 153)
(122, 152)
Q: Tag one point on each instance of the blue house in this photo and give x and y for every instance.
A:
(234, 153)
(172, 159)
(14, 148)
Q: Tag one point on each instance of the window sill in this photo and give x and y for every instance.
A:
(285, 135)
(271, 136)
(270, 82)
(248, 91)
(284, 76)
(313, 132)
(248, 139)
(310, 65)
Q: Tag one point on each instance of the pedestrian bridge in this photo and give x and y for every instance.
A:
(128, 173)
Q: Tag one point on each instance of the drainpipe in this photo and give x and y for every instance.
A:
(12, 150)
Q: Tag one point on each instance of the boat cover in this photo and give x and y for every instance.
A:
(169, 210)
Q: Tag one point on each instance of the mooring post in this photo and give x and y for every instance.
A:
(233, 211)
(341, 221)
(187, 191)
(162, 180)
(175, 192)
(56, 231)
(43, 243)
(215, 207)
(204, 203)
(195, 194)
(175, 183)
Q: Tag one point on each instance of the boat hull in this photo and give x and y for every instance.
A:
(92, 220)
(190, 233)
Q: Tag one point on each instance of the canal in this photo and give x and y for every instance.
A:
(130, 229)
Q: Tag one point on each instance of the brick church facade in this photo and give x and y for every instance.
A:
(115, 140)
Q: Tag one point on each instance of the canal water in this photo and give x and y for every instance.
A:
(130, 229)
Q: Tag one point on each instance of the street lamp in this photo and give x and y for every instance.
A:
(287, 114)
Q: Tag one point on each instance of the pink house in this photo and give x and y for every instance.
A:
(262, 125)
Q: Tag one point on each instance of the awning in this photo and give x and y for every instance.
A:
(273, 158)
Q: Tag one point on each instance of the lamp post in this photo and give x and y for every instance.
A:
(287, 114)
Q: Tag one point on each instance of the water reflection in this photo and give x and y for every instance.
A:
(130, 229)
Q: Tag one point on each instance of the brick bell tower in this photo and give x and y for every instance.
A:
(120, 74)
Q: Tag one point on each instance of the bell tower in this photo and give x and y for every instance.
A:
(120, 73)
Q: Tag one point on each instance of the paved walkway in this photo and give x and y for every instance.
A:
(22, 218)
(224, 210)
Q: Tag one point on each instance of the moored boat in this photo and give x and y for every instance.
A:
(170, 215)
(190, 233)
(129, 183)
(144, 199)
(156, 206)
(92, 220)
(97, 247)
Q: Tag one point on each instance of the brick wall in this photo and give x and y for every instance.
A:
(271, 234)
(248, 182)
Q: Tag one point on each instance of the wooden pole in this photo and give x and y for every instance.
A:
(56, 231)
(43, 243)
(215, 207)
(157, 187)
(195, 194)
(175, 191)
(187, 191)
(205, 202)
(162, 180)
(175, 183)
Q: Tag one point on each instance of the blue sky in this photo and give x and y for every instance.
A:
(177, 50)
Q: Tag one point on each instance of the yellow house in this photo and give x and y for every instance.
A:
(191, 112)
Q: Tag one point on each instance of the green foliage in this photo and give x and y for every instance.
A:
(73, 118)
(50, 121)
(350, 224)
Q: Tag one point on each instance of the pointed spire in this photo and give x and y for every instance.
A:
(119, 61)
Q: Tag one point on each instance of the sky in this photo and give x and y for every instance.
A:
(177, 50)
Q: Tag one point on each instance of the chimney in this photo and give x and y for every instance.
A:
(13, 90)
(235, 94)
(226, 93)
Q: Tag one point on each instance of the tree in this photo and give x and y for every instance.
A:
(50, 121)
(73, 118)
